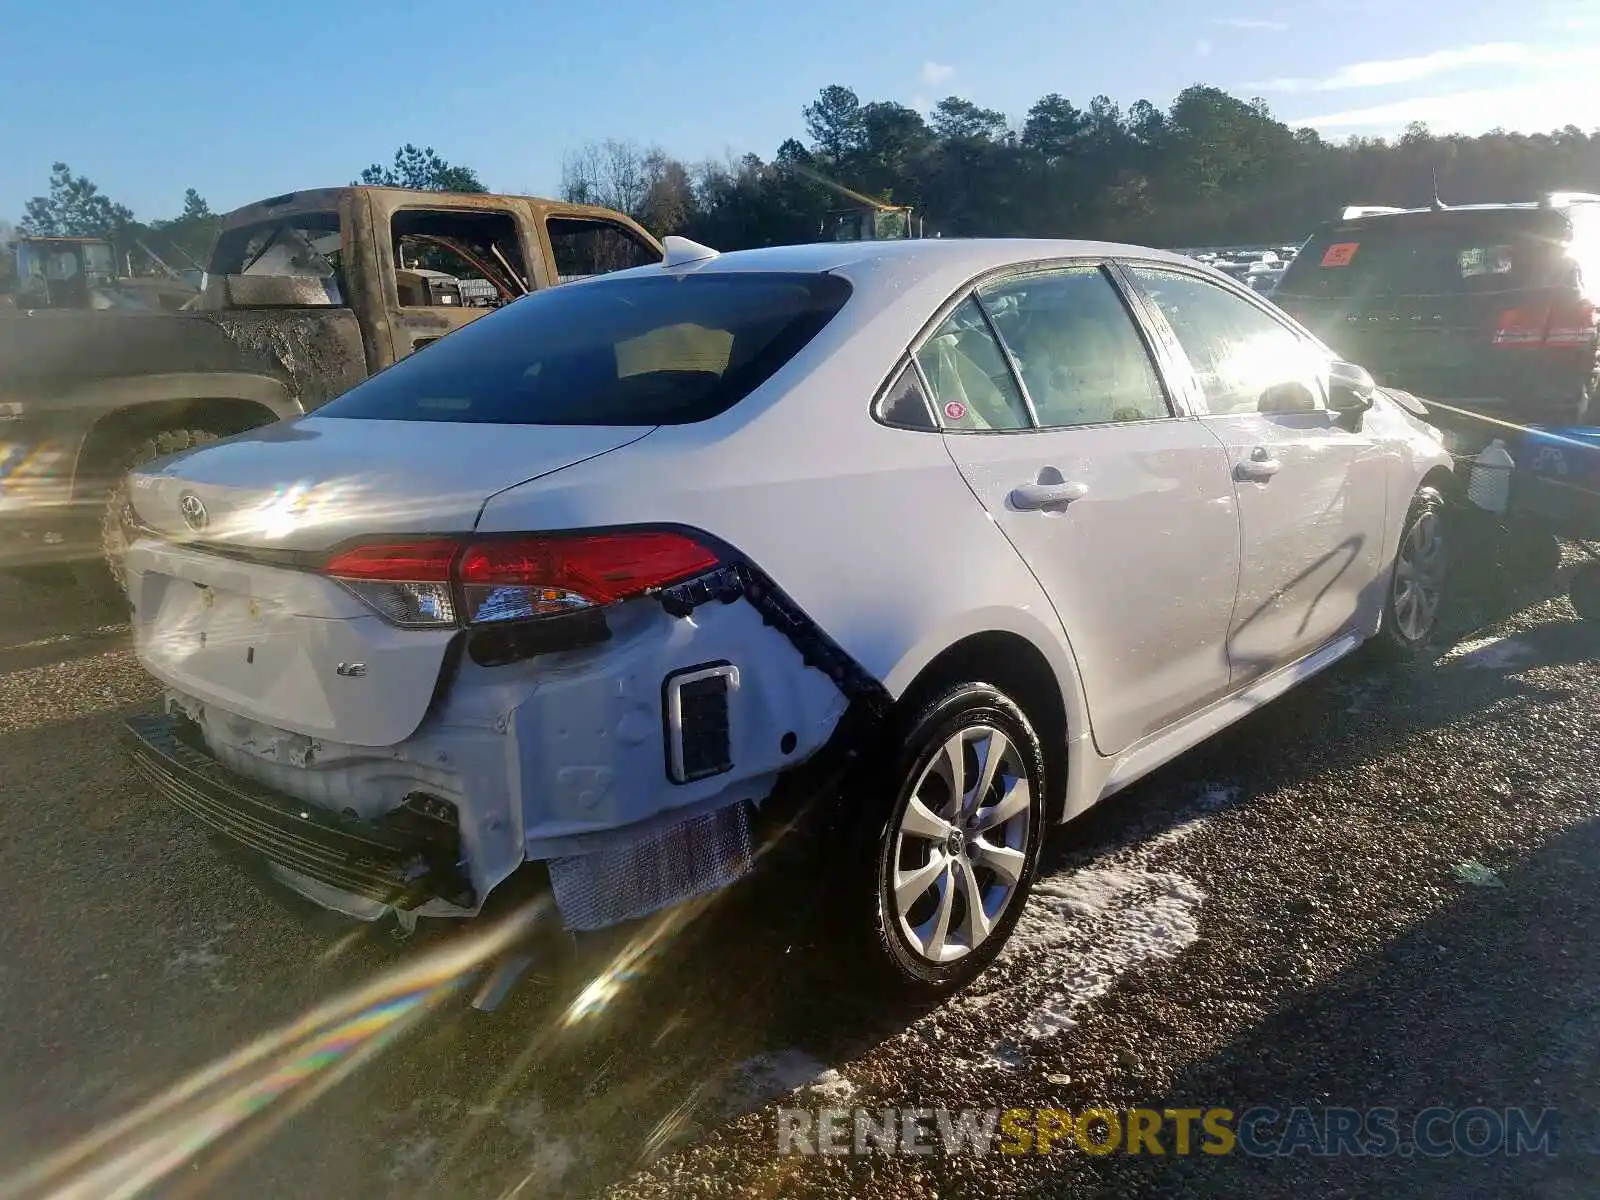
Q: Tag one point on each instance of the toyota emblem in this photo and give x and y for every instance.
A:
(193, 510)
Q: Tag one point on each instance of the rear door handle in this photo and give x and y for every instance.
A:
(1260, 466)
(1033, 496)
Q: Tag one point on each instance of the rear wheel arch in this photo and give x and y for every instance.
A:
(111, 435)
(1018, 667)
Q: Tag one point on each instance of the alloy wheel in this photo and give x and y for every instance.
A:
(1419, 577)
(961, 846)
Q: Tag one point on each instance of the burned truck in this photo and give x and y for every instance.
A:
(305, 295)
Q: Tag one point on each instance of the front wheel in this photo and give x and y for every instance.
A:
(955, 825)
(1415, 598)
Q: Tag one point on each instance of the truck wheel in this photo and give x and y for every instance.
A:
(102, 575)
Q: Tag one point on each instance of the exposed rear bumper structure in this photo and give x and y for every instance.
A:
(398, 866)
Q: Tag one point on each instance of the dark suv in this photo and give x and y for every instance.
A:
(1487, 308)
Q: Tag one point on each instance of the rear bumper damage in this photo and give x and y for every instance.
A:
(403, 863)
(636, 770)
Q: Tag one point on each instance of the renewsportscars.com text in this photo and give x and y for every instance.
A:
(1312, 1132)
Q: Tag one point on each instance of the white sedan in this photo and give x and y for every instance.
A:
(982, 530)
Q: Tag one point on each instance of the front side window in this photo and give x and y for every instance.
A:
(637, 350)
(1077, 348)
(973, 387)
(1244, 360)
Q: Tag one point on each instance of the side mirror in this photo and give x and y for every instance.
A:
(1350, 389)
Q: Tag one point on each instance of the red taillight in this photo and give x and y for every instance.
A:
(603, 567)
(1571, 324)
(411, 562)
(422, 583)
(1565, 324)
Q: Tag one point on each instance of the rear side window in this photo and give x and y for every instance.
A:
(639, 350)
(1428, 255)
(972, 384)
(1080, 356)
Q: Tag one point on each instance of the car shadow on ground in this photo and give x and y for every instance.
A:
(1529, 1038)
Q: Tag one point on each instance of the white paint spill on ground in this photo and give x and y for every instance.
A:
(1062, 905)
(1160, 923)
(548, 1157)
(1213, 799)
(781, 1073)
(1084, 929)
(203, 960)
(1491, 654)
(1079, 933)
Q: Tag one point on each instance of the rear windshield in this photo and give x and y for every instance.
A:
(1427, 255)
(646, 350)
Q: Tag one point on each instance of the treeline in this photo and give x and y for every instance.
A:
(1210, 169)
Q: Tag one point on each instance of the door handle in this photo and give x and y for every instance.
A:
(1260, 466)
(1033, 496)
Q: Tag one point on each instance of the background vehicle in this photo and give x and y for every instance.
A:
(461, 642)
(302, 300)
(1487, 308)
(871, 223)
(81, 273)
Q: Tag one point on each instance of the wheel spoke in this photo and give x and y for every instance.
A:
(908, 888)
(991, 752)
(1002, 860)
(922, 822)
(975, 924)
(1014, 799)
(951, 764)
(933, 947)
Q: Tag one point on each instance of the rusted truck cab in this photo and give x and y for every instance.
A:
(306, 294)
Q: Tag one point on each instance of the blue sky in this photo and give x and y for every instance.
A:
(243, 101)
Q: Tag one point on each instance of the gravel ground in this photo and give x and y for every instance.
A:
(1276, 919)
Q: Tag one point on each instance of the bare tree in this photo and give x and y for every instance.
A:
(611, 173)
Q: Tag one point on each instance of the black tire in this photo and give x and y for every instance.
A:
(1400, 637)
(101, 574)
(880, 799)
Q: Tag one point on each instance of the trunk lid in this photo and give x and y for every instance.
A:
(312, 483)
(227, 605)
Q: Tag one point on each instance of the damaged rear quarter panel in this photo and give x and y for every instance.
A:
(586, 729)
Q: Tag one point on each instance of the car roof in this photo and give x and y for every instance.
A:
(974, 256)
(1407, 215)
(913, 269)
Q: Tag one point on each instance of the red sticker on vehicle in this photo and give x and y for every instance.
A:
(955, 410)
(1340, 253)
